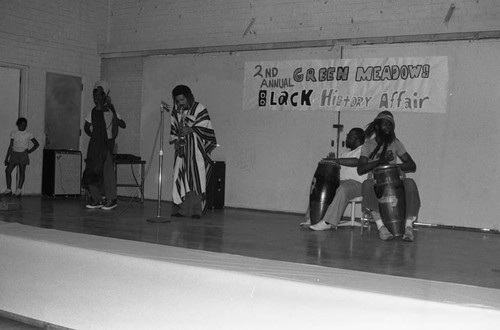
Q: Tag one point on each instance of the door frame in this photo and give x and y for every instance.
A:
(23, 90)
(23, 95)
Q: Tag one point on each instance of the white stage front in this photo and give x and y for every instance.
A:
(89, 282)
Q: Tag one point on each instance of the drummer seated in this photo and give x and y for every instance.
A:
(350, 182)
(383, 149)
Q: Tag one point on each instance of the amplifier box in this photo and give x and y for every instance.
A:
(61, 172)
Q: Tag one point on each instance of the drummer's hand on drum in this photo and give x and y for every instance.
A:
(387, 158)
(331, 156)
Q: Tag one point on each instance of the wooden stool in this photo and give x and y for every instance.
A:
(353, 222)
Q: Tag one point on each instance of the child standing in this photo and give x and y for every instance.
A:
(17, 155)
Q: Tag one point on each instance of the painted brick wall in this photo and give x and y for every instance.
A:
(62, 36)
(66, 36)
(125, 80)
(137, 25)
(148, 24)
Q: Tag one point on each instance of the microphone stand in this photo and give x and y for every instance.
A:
(159, 218)
(339, 128)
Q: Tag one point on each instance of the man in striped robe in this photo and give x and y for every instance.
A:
(194, 139)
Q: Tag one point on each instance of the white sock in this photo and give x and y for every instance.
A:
(378, 219)
(409, 221)
(379, 223)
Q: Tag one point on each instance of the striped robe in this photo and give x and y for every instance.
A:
(192, 172)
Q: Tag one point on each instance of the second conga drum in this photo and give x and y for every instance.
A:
(390, 192)
(325, 183)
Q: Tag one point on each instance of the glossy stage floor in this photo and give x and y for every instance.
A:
(460, 267)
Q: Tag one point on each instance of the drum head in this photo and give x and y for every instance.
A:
(387, 167)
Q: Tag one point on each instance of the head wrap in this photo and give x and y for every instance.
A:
(103, 84)
(387, 115)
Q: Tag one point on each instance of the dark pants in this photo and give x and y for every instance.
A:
(108, 187)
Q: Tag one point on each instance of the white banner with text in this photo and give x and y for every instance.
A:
(410, 84)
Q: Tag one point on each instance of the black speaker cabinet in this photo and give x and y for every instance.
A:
(61, 172)
(215, 187)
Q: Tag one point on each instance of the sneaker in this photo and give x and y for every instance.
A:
(18, 192)
(7, 192)
(306, 223)
(322, 225)
(110, 204)
(408, 236)
(385, 234)
(94, 205)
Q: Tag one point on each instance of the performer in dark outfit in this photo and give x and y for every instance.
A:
(101, 125)
(384, 149)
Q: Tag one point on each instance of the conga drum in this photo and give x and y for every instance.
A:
(325, 183)
(390, 192)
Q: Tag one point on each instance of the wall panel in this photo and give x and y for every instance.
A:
(51, 36)
(141, 25)
(456, 166)
(271, 156)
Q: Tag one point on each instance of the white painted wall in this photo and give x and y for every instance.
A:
(125, 80)
(269, 164)
(140, 25)
(456, 156)
(50, 36)
(9, 99)
(271, 156)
